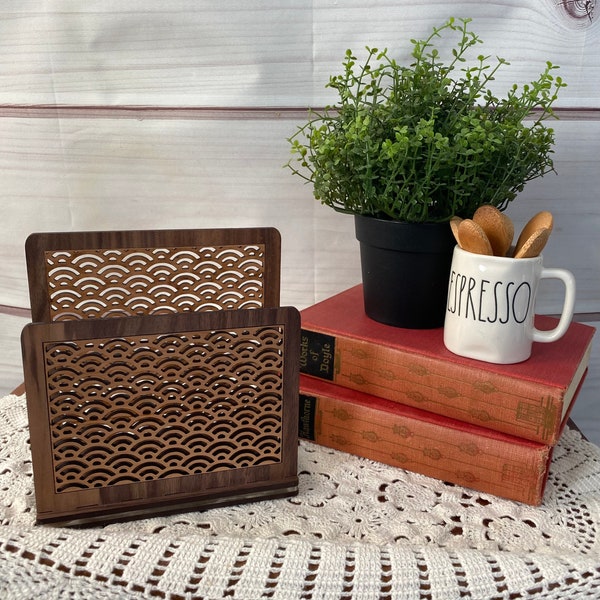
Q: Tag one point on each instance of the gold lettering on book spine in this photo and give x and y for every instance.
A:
(400, 458)
(543, 415)
(486, 387)
(418, 369)
(448, 392)
(370, 436)
(402, 431)
(341, 414)
(466, 477)
(386, 374)
(471, 449)
(432, 453)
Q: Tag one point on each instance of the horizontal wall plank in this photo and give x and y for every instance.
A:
(268, 53)
(80, 174)
(572, 196)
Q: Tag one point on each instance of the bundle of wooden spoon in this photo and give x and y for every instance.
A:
(491, 232)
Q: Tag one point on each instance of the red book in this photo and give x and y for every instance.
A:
(340, 344)
(423, 442)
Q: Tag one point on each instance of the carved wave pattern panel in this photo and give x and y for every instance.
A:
(142, 408)
(128, 282)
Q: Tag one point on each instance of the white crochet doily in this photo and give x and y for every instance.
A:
(356, 530)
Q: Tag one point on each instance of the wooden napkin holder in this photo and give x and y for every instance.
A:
(137, 416)
(160, 373)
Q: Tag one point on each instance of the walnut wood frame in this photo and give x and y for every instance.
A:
(157, 495)
(40, 245)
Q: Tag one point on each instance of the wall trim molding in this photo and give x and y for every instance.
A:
(42, 111)
(17, 311)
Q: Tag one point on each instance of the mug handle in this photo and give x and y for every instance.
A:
(567, 312)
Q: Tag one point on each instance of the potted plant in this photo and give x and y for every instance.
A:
(406, 148)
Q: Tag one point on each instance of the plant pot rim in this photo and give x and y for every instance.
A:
(404, 236)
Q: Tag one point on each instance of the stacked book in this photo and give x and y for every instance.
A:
(398, 396)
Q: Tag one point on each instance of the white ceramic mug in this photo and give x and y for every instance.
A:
(491, 302)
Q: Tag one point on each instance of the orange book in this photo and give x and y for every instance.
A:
(340, 344)
(423, 442)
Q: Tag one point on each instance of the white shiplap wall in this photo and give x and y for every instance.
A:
(151, 114)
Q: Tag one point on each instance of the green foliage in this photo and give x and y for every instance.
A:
(425, 142)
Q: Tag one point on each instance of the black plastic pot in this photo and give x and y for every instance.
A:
(405, 271)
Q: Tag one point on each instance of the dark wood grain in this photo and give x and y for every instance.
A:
(19, 390)
(50, 409)
(39, 245)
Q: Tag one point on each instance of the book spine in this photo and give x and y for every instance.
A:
(496, 466)
(506, 404)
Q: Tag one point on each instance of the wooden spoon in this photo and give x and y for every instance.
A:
(541, 220)
(534, 244)
(498, 228)
(472, 238)
(454, 223)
